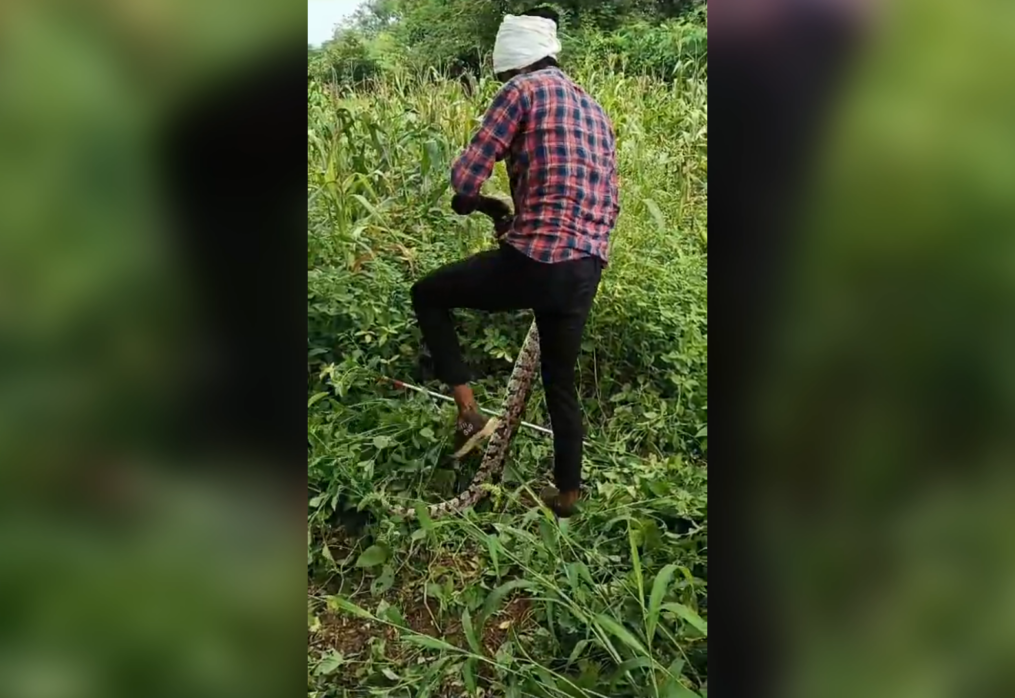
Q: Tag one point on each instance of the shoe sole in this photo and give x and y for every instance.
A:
(475, 439)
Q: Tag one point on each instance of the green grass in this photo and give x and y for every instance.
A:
(502, 600)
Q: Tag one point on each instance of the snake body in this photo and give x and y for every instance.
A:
(519, 386)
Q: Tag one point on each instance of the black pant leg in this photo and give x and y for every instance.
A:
(561, 325)
(492, 280)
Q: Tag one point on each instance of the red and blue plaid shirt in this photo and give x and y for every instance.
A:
(561, 160)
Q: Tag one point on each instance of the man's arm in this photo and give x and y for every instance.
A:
(488, 205)
(490, 144)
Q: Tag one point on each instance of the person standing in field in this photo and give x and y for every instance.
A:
(560, 153)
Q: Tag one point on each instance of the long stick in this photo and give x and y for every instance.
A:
(446, 398)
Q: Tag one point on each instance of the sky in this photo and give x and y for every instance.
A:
(323, 15)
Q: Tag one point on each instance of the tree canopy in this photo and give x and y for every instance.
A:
(655, 37)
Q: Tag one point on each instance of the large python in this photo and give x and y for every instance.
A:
(519, 387)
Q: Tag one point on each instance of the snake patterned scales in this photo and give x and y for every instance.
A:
(519, 386)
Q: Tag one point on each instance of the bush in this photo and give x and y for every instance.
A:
(669, 50)
(347, 59)
(662, 39)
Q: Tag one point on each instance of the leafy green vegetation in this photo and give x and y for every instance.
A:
(503, 600)
(648, 37)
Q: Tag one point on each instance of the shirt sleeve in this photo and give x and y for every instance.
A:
(491, 143)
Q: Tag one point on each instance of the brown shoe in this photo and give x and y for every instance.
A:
(472, 429)
(563, 504)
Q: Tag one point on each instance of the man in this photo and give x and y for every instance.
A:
(559, 149)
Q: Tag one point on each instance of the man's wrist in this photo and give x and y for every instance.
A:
(493, 207)
(464, 205)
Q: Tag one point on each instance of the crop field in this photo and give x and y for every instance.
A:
(502, 599)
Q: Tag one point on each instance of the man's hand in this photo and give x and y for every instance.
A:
(501, 226)
(464, 205)
(499, 212)
(496, 209)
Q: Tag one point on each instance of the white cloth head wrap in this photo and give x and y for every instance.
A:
(521, 41)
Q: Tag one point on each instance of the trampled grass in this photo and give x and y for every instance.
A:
(503, 600)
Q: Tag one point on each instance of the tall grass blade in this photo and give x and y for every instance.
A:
(688, 615)
(432, 643)
(339, 603)
(627, 667)
(659, 589)
(470, 632)
(636, 563)
(616, 629)
(495, 597)
(425, 522)
(469, 675)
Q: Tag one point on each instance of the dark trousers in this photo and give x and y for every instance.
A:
(504, 279)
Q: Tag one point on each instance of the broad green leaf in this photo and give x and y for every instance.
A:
(687, 614)
(430, 679)
(331, 662)
(426, 159)
(659, 588)
(620, 632)
(315, 398)
(549, 533)
(615, 520)
(572, 575)
(469, 675)
(590, 676)
(548, 680)
(505, 654)
(470, 632)
(657, 215)
(393, 615)
(636, 563)
(630, 665)
(373, 556)
(432, 643)
(519, 534)
(367, 205)
(495, 597)
(384, 581)
(425, 522)
(675, 689)
(493, 546)
(339, 603)
(576, 652)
